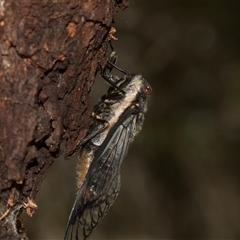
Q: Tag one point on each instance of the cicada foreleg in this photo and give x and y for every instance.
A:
(111, 63)
(106, 71)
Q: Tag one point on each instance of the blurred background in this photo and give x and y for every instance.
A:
(181, 177)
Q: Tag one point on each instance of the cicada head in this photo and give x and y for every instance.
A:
(144, 94)
(138, 90)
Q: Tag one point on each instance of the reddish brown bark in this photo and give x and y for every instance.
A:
(50, 51)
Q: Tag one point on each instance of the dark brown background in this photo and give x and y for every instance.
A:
(180, 179)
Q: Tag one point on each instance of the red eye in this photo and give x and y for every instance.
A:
(147, 89)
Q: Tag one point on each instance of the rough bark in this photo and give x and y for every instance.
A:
(50, 51)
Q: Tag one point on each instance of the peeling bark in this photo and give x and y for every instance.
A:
(50, 51)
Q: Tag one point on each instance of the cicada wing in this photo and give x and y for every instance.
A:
(102, 183)
(95, 212)
(107, 175)
(92, 203)
(72, 223)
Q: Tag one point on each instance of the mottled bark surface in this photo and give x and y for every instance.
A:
(50, 51)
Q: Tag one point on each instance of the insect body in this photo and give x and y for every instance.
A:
(116, 120)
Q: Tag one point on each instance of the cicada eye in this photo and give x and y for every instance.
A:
(147, 89)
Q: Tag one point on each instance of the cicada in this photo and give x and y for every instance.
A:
(116, 119)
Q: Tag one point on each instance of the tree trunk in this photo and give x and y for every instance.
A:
(50, 51)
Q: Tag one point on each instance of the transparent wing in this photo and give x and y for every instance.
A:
(102, 183)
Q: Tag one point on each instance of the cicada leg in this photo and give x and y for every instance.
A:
(106, 71)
